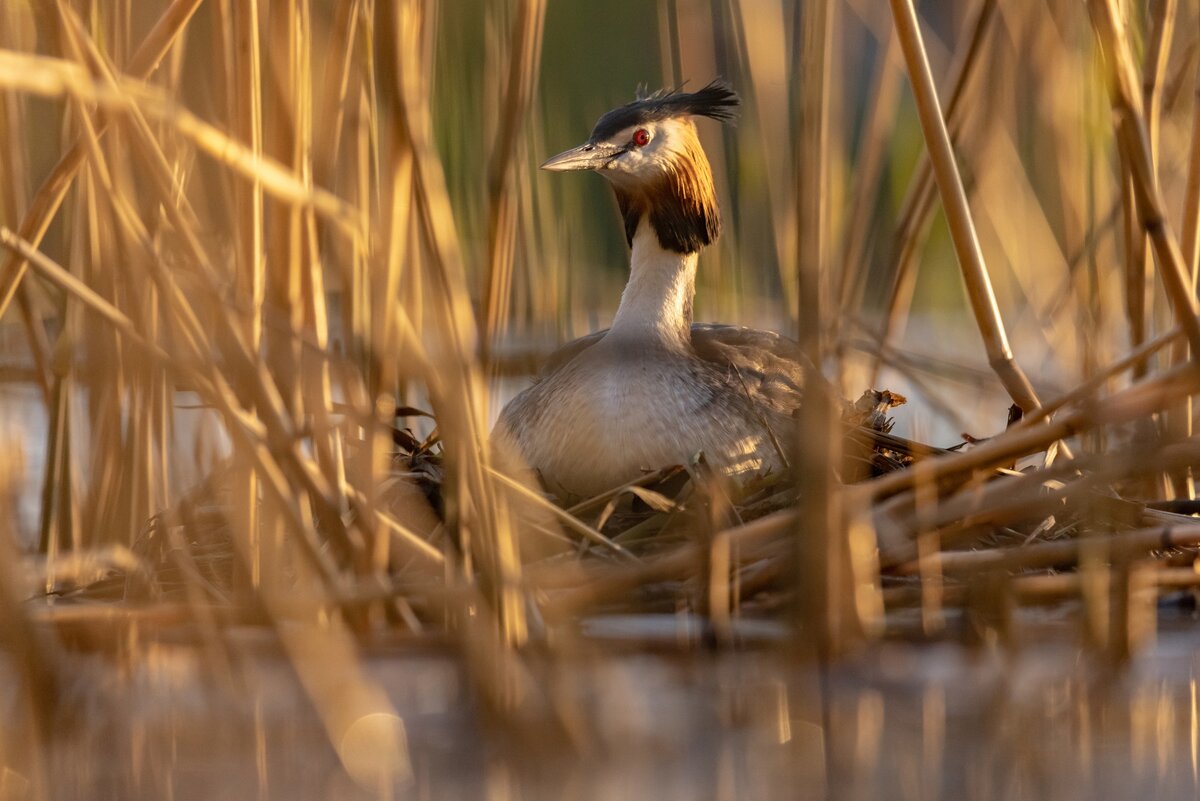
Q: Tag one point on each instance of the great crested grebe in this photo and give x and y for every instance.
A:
(656, 389)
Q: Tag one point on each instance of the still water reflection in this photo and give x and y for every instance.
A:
(901, 722)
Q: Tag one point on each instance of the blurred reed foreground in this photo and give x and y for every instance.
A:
(270, 268)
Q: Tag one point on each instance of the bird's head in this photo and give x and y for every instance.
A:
(649, 151)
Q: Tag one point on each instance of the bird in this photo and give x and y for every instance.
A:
(655, 388)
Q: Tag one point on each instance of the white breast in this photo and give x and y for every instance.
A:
(615, 411)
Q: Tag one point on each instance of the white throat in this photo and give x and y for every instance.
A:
(656, 306)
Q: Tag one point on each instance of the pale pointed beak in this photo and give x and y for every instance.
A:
(588, 156)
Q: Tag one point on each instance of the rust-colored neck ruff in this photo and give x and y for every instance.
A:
(681, 203)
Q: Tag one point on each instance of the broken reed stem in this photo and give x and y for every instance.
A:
(1058, 553)
(1089, 387)
(596, 501)
(406, 537)
(566, 518)
(1035, 495)
(958, 212)
(1139, 400)
(1049, 589)
(1134, 140)
(609, 582)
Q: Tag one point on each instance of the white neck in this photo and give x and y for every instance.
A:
(656, 306)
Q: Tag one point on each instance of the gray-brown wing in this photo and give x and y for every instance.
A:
(769, 365)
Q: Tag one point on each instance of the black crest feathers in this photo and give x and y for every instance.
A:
(716, 101)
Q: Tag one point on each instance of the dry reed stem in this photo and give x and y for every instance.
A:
(1135, 255)
(524, 61)
(244, 99)
(245, 113)
(36, 656)
(265, 392)
(1133, 138)
(316, 380)
(1190, 242)
(1139, 282)
(868, 176)
(764, 42)
(825, 604)
(1180, 419)
(958, 212)
(248, 432)
(50, 77)
(53, 190)
(458, 390)
(14, 121)
(84, 294)
(335, 97)
(1158, 51)
(917, 207)
(287, 143)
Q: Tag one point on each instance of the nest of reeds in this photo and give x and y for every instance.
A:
(191, 547)
(997, 539)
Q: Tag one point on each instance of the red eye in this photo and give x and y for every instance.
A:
(641, 137)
